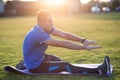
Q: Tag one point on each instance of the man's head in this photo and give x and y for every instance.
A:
(44, 18)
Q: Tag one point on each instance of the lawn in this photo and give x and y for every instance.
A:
(104, 28)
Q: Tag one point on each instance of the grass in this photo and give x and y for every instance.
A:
(104, 28)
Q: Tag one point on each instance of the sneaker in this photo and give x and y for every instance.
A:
(20, 65)
(104, 69)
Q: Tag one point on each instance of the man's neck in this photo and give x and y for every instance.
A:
(44, 28)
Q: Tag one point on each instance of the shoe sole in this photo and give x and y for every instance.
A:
(108, 64)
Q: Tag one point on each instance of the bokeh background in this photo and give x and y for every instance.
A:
(30, 7)
(97, 20)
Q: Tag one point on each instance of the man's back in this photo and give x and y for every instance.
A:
(34, 48)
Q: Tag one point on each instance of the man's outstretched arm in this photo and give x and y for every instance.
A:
(72, 37)
(67, 35)
(69, 45)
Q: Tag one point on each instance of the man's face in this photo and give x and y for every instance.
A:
(48, 23)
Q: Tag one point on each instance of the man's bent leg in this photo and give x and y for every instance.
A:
(49, 57)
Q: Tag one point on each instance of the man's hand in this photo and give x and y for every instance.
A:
(92, 47)
(89, 42)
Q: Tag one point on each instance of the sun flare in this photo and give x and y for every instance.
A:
(84, 1)
(54, 2)
(104, 0)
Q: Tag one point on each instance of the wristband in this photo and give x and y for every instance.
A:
(83, 40)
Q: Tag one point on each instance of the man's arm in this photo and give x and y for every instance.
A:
(67, 35)
(68, 44)
(72, 37)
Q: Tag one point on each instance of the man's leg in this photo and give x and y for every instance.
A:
(49, 57)
(59, 66)
(56, 66)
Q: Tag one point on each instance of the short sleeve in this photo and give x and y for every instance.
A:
(41, 37)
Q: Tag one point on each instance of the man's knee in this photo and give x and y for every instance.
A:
(49, 57)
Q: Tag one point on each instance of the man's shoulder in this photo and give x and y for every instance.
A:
(38, 29)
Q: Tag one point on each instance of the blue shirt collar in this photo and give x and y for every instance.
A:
(39, 28)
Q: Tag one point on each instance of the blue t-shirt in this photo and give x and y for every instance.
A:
(34, 47)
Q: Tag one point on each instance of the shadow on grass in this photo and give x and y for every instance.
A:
(11, 76)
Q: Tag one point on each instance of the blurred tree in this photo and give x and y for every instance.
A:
(114, 4)
(105, 4)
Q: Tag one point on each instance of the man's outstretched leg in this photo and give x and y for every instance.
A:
(59, 66)
(55, 67)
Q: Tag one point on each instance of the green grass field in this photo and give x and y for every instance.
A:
(104, 28)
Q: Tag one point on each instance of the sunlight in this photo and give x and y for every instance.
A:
(84, 1)
(28, 0)
(58, 2)
(54, 2)
(104, 0)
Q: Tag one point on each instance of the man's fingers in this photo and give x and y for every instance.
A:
(90, 42)
(93, 47)
(97, 47)
(94, 42)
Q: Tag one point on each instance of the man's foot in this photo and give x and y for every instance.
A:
(20, 65)
(105, 67)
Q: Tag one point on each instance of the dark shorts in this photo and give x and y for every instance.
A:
(53, 64)
(49, 57)
(43, 67)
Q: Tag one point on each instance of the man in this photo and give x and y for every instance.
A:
(36, 42)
